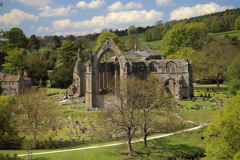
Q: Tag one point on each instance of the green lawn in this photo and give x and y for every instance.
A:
(202, 115)
(230, 33)
(140, 37)
(187, 144)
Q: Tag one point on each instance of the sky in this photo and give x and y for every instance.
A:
(65, 17)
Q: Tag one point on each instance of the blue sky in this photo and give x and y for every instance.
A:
(65, 17)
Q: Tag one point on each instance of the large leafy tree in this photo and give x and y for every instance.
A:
(69, 48)
(223, 134)
(132, 30)
(37, 114)
(233, 76)
(184, 35)
(183, 53)
(8, 133)
(36, 68)
(14, 38)
(213, 61)
(56, 42)
(237, 23)
(63, 76)
(34, 43)
(14, 60)
(101, 38)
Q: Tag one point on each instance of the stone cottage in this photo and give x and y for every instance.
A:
(13, 83)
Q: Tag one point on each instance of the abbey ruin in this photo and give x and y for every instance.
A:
(91, 79)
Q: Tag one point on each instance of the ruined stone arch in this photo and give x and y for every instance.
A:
(170, 85)
(93, 81)
(171, 67)
(153, 66)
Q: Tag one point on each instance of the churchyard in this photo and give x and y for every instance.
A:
(77, 126)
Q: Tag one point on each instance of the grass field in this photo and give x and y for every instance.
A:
(187, 144)
(140, 37)
(202, 115)
(230, 33)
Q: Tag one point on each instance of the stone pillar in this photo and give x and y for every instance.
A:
(88, 87)
(104, 76)
(100, 77)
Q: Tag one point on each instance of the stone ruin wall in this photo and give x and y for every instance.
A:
(91, 79)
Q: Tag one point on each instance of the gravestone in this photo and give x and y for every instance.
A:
(221, 105)
(83, 139)
(193, 99)
(76, 121)
(213, 94)
(61, 139)
(217, 98)
(198, 100)
(209, 95)
(205, 94)
(78, 139)
(50, 139)
(207, 89)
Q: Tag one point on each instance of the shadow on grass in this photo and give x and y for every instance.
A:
(163, 149)
(40, 158)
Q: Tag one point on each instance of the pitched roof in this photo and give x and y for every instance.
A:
(9, 77)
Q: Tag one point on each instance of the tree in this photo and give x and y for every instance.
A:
(237, 23)
(132, 30)
(214, 59)
(101, 38)
(2, 58)
(34, 43)
(14, 38)
(184, 35)
(36, 68)
(14, 61)
(233, 76)
(158, 23)
(69, 48)
(37, 115)
(134, 106)
(156, 112)
(71, 38)
(132, 41)
(8, 133)
(183, 53)
(56, 42)
(63, 76)
(223, 133)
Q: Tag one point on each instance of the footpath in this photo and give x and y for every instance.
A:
(115, 144)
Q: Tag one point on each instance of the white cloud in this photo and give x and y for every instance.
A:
(118, 6)
(44, 29)
(187, 12)
(114, 19)
(32, 27)
(15, 17)
(35, 2)
(78, 33)
(93, 4)
(164, 2)
(61, 11)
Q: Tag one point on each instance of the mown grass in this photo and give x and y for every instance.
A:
(202, 115)
(187, 144)
(230, 33)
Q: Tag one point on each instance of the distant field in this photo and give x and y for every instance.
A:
(153, 44)
(230, 33)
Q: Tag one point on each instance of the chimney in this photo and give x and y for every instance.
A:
(25, 73)
(3, 70)
(19, 71)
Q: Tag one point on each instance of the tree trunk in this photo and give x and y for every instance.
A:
(218, 85)
(145, 141)
(35, 137)
(129, 146)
